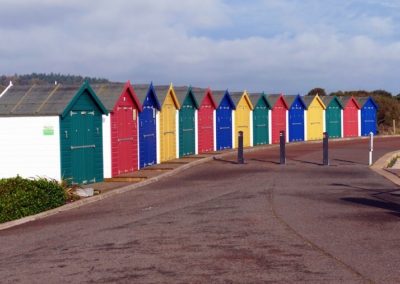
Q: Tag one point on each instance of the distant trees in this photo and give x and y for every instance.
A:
(42, 78)
(317, 91)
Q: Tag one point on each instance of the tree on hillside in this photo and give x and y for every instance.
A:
(42, 78)
(317, 91)
(381, 93)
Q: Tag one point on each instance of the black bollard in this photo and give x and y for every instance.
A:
(325, 159)
(282, 144)
(240, 158)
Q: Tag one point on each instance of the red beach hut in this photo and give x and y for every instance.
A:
(120, 134)
(205, 117)
(278, 116)
(350, 116)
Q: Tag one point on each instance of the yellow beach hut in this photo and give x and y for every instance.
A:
(243, 119)
(168, 123)
(315, 117)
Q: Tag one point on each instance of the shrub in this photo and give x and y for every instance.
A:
(21, 197)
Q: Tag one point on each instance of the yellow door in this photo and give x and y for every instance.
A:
(167, 130)
(314, 121)
(242, 122)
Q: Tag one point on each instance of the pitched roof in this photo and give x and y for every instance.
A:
(236, 96)
(2, 88)
(181, 93)
(346, 99)
(363, 100)
(309, 99)
(109, 93)
(162, 91)
(256, 97)
(219, 96)
(273, 99)
(290, 99)
(328, 99)
(201, 93)
(42, 100)
(143, 90)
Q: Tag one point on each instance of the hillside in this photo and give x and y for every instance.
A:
(42, 78)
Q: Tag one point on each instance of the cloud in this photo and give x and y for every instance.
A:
(288, 45)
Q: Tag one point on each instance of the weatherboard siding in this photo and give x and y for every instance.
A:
(30, 147)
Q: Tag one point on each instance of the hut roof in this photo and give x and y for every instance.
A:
(219, 96)
(109, 93)
(42, 100)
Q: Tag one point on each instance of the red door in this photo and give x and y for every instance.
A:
(350, 119)
(278, 120)
(124, 136)
(206, 126)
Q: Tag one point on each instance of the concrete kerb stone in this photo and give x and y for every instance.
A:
(130, 187)
(380, 165)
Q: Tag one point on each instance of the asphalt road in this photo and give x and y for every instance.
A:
(224, 222)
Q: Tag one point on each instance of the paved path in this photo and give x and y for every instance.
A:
(223, 222)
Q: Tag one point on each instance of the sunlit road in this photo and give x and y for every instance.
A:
(223, 222)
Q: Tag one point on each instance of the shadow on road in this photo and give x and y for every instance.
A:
(226, 161)
(387, 205)
(348, 162)
(307, 162)
(265, 161)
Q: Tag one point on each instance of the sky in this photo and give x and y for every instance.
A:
(288, 46)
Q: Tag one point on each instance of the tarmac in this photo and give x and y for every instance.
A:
(221, 222)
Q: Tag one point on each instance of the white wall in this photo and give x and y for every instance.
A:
(177, 134)
(196, 133)
(359, 122)
(215, 129)
(287, 126)
(107, 145)
(251, 128)
(233, 130)
(305, 125)
(341, 123)
(26, 150)
(269, 126)
(158, 158)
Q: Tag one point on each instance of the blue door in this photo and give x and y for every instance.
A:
(296, 121)
(147, 133)
(224, 125)
(368, 119)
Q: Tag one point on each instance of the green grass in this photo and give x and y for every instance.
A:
(392, 162)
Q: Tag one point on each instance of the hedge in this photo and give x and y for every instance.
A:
(20, 197)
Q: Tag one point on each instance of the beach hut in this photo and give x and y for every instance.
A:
(52, 131)
(147, 124)
(169, 117)
(206, 120)
(187, 120)
(369, 110)
(333, 116)
(279, 117)
(224, 123)
(315, 117)
(120, 128)
(243, 117)
(260, 118)
(351, 125)
(297, 108)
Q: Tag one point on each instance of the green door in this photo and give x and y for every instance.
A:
(333, 120)
(260, 123)
(83, 146)
(186, 128)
